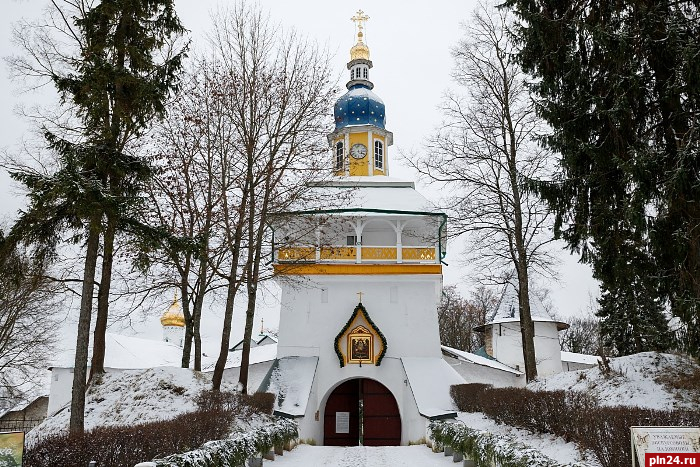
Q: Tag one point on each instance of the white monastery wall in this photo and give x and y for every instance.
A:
(61, 388)
(507, 346)
(473, 373)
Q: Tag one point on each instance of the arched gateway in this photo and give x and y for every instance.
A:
(361, 411)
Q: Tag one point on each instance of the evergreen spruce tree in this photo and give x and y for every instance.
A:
(116, 85)
(618, 83)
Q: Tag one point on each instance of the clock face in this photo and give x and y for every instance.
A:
(358, 151)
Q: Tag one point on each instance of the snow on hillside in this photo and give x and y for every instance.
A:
(641, 380)
(131, 397)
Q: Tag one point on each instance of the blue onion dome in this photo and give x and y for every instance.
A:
(359, 106)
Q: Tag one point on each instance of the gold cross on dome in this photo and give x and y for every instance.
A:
(360, 294)
(360, 18)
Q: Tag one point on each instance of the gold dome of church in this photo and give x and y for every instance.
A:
(173, 315)
(359, 50)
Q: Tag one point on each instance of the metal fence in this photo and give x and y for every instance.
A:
(19, 424)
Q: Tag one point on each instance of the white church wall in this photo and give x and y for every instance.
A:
(507, 346)
(60, 389)
(473, 373)
(174, 335)
(402, 306)
(378, 237)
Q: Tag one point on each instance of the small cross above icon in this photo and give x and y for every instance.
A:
(360, 294)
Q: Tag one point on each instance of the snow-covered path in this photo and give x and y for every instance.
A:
(361, 456)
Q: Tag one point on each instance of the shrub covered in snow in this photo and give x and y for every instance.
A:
(129, 445)
(572, 415)
(486, 449)
(467, 397)
(234, 451)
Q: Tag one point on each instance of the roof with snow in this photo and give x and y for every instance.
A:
(24, 404)
(574, 357)
(479, 360)
(508, 310)
(291, 379)
(125, 352)
(430, 380)
(374, 195)
(261, 339)
(258, 354)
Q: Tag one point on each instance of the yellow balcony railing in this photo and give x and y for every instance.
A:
(421, 254)
(296, 254)
(370, 254)
(338, 253)
(379, 253)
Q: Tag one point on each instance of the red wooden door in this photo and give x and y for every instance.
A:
(381, 421)
(344, 398)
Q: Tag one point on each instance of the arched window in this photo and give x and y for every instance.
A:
(352, 74)
(364, 72)
(339, 155)
(378, 155)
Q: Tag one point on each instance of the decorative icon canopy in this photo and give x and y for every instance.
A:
(360, 341)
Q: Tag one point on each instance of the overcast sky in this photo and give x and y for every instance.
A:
(410, 47)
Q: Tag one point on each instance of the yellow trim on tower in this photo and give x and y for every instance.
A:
(356, 269)
(358, 167)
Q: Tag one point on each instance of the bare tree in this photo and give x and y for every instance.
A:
(192, 148)
(280, 90)
(485, 152)
(28, 303)
(457, 317)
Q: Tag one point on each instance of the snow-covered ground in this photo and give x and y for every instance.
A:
(390, 456)
(132, 397)
(639, 380)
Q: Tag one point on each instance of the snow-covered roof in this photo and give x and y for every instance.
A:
(24, 404)
(267, 339)
(258, 354)
(479, 360)
(261, 339)
(291, 378)
(430, 380)
(508, 308)
(574, 357)
(372, 194)
(125, 352)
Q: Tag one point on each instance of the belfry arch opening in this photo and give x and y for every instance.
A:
(361, 411)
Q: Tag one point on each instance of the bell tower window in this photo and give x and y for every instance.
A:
(339, 155)
(359, 72)
(378, 155)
